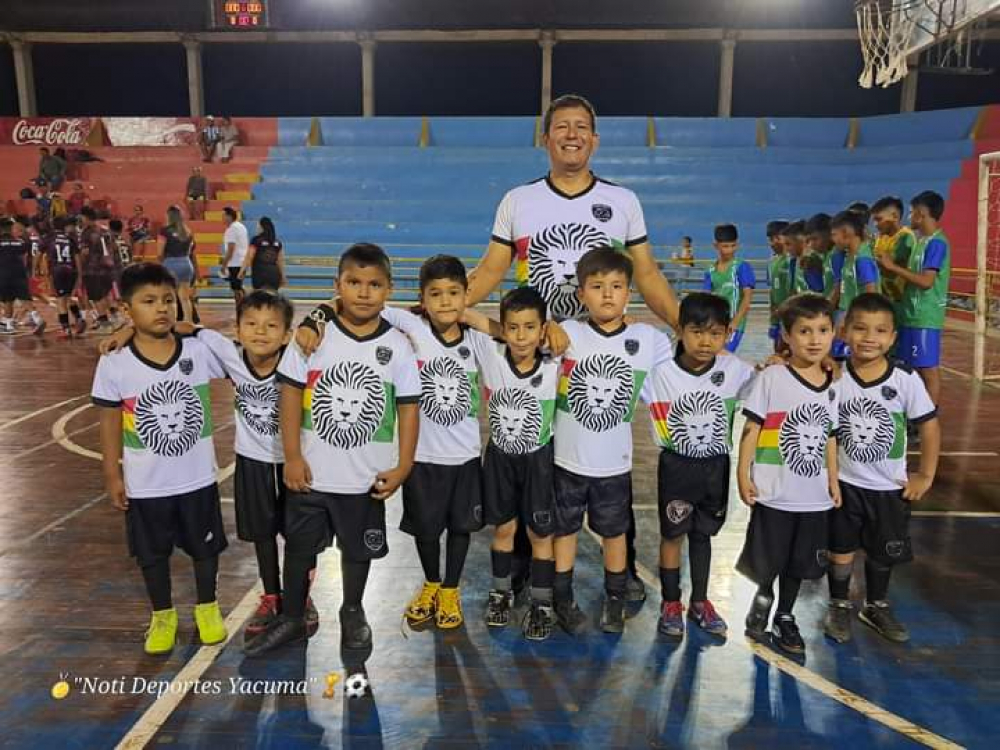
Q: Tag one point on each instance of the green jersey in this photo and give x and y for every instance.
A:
(924, 308)
(730, 283)
(777, 273)
(860, 269)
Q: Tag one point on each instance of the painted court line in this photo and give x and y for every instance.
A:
(33, 414)
(47, 528)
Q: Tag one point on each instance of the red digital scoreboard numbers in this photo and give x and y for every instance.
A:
(241, 15)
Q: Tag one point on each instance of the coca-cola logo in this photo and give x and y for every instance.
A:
(57, 132)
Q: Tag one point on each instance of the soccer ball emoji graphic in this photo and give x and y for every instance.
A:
(356, 686)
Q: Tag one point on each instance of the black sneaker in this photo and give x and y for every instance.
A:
(498, 608)
(786, 634)
(879, 615)
(613, 614)
(837, 623)
(283, 630)
(538, 621)
(354, 630)
(635, 589)
(570, 618)
(757, 617)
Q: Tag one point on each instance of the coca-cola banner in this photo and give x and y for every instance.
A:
(46, 131)
(150, 131)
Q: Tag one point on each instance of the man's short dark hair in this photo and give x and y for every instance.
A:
(726, 233)
(818, 224)
(89, 213)
(263, 299)
(862, 209)
(872, 302)
(44, 150)
(443, 267)
(806, 305)
(60, 223)
(142, 274)
(115, 225)
(704, 309)
(364, 254)
(776, 227)
(688, 238)
(230, 212)
(889, 201)
(6, 224)
(794, 228)
(522, 298)
(851, 219)
(603, 260)
(569, 101)
(932, 201)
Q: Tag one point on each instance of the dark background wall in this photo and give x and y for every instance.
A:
(8, 84)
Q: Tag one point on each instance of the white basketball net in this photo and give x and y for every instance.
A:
(886, 29)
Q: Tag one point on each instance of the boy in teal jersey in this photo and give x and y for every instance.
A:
(731, 279)
(860, 271)
(777, 276)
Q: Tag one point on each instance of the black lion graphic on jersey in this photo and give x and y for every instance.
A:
(347, 404)
(515, 420)
(552, 258)
(445, 394)
(257, 404)
(698, 424)
(802, 439)
(169, 418)
(867, 430)
(600, 391)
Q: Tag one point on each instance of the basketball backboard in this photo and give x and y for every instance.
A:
(938, 19)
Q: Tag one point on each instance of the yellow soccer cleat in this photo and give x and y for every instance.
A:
(449, 608)
(162, 633)
(211, 628)
(423, 606)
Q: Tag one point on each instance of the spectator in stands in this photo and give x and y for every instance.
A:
(51, 169)
(235, 243)
(230, 136)
(77, 200)
(208, 139)
(196, 194)
(265, 258)
(138, 228)
(176, 252)
(686, 255)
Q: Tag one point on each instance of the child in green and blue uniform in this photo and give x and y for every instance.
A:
(731, 279)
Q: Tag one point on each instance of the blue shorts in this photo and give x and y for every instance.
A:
(180, 267)
(840, 350)
(774, 332)
(733, 342)
(919, 347)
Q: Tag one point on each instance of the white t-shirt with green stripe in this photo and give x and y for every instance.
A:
(692, 412)
(166, 417)
(351, 387)
(601, 377)
(449, 384)
(797, 420)
(521, 405)
(872, 436)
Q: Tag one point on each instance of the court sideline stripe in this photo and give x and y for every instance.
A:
(33, 414)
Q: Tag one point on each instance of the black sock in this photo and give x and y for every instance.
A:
(75, 310)
(766, 590)
(501, 563)
(876, 581)
(157, 578)
(839, 578)
(543, 573)
(297, 567)
(630, 539)
(456, 548)
(64, 320)
(562, 587)
(670, 584)
(355, 577)
(429, 551)
(206, 573)
(788, 592)
(700, 557)
(614, 583)
(267, 565)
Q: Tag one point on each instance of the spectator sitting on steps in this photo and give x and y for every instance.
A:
(196, 194)
(51, 169)
(230, 136)
(208, 139)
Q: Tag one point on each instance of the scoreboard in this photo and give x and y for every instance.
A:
(239, 15)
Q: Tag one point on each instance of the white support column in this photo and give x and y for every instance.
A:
(196, 85)
(908, 92)
(367, 75)
(726, 66)
(547, 42)
(24, 73)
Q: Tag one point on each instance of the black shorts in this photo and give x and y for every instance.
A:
(64, 281)
(693, 494)
(14, 286)
(266, 278)
(876, 521)
(260, 500)
(313, 519)
(438, 497)
(520, 486)
(783, 543)
(192, 521)
(606, 501)
(98, 286)
(235, 282)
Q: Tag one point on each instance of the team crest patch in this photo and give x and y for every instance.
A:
(374, 539)
(542, 518)
(678, 510)
(602, 212)
(718, 378)
(631, 347)
(536, 381)
(889, 393)
(383, 354)
(463, 352)
(822, 557)
(477, 513)
(186, 365)
(895, 548)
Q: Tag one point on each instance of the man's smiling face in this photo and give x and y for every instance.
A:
(571, 139)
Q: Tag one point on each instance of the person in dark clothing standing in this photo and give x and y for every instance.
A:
(265, 258)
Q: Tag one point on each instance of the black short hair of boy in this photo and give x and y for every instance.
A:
(603, 259)
(6, 224)
(687, 238)
(569, 101)
(851, 219)
(776, 227)
(365, 254)
(88, 212)
(818, 224)
(443, 267)
(889, 201)
(808, 305)
(146, 273)
(794, 227)
(704, 309)
(115, 225)
(932, 201)
(861, 208)
(60, 223)
(230, 212)
(263, 299)
(522, 298)
(726, 233)
(872, 302)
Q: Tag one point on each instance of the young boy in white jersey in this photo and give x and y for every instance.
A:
(601, 377)
(156, 418)
(338, 411)
(787, 470)
(691, 402)
(877, 401)
(731, 279)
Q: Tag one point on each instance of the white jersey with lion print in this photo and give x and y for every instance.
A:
(871, 441)
(258, 435)
(601, 377)
(449, 389)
